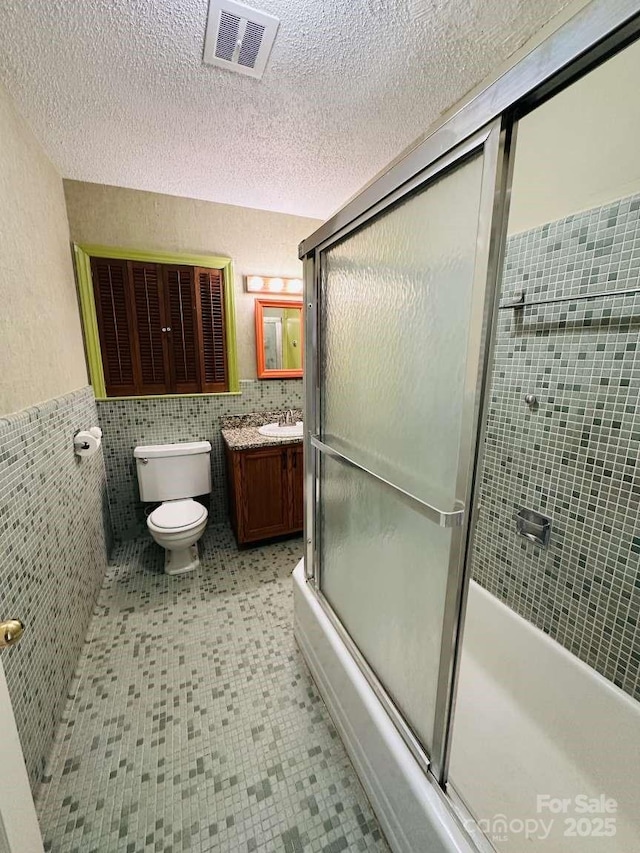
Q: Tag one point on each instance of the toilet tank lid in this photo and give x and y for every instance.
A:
(182, 448)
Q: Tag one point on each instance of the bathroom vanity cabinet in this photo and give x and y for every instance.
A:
(265, 491)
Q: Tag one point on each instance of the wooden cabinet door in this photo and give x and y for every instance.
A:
(297, 487)
(265, 504)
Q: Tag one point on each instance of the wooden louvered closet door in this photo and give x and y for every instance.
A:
(117, 335)
(150, 324)
(183, 338)
(162, 328)
(211, 324)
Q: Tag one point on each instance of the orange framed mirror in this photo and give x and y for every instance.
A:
(279, 343)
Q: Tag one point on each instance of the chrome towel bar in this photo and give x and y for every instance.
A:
(521, 302)
(441, 517)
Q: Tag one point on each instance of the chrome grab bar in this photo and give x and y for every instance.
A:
(441, 517)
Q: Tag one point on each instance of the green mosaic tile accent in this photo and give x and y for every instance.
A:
(53, 556)
(574, 457)
(193, 722)
(127, 423)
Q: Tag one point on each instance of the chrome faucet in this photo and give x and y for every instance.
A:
(287, 419)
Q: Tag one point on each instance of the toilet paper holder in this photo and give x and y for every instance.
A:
(82, 443)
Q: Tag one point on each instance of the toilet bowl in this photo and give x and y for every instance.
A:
(177, 526)
(174, 474)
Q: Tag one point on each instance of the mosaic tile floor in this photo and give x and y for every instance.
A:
(193, 723)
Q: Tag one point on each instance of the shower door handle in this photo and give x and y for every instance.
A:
(441, 517)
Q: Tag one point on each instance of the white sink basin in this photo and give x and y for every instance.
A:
(275, 431)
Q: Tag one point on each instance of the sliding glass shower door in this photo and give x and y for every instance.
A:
(399, 310)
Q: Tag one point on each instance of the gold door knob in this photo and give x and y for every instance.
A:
(10, 632)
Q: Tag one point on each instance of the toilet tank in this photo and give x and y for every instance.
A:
(168, 472)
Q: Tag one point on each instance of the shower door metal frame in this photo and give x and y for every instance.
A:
(593, 35)
(490, 143)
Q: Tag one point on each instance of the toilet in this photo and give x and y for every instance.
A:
(174, 474)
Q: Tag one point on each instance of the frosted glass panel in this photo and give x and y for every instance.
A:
(384, 573)
(395, 308)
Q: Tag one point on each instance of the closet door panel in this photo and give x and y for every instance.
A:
(117, 335)
(210, 306)
(179, 284)
(150, 325)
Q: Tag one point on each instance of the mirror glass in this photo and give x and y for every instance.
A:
(278, 338)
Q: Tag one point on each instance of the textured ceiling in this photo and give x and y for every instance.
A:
(117, 93)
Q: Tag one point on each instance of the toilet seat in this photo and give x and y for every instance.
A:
(177, 516)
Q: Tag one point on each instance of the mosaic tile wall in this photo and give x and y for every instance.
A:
(53, 557)
(575, 456)
(127, 423)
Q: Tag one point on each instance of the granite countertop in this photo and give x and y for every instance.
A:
(240, 432)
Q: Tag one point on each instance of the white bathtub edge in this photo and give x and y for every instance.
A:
(409, 809)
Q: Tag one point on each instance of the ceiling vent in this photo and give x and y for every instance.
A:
(239, 38)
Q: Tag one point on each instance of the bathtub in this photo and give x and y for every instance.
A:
(409, 808)
(532, 720)
(519, 733)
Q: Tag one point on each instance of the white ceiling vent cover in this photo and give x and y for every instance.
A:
(239, 38)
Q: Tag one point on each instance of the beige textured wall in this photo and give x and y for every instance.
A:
(41, 350)
(580, 149)
(257, 241)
